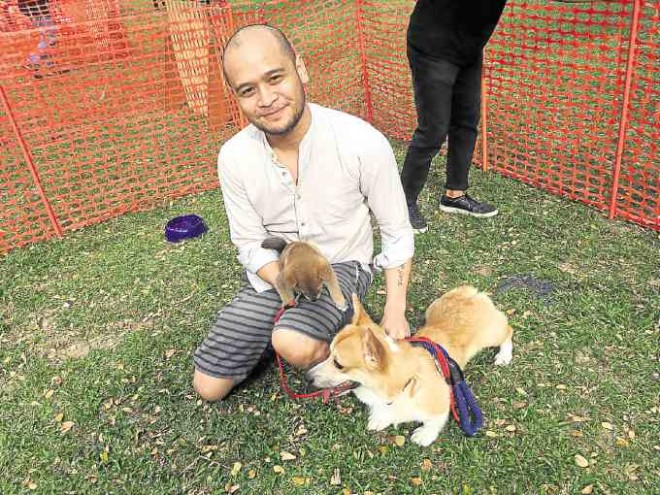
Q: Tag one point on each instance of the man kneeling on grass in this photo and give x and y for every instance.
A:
(302, 172)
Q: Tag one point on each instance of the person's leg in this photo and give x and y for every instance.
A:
(236, 342)
(433, 81)
(299, 350)
(463, 133)
(465, 114)
(303, 333)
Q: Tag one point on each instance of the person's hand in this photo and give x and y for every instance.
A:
(395, 324)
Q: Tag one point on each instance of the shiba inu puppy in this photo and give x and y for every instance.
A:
(400, 382)
(304, 269)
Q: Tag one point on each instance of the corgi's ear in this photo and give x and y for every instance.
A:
(411, 387)
(373, 351)
(360, 316)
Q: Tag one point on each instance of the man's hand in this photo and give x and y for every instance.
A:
(395, 324)
(394, 315)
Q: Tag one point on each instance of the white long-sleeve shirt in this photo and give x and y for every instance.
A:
(346, 168)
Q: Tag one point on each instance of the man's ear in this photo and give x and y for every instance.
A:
(373, 351)
(360, 316)
(301, 69)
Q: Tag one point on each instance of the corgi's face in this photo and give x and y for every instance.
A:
(357, 354)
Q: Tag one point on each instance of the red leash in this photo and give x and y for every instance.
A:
(326, 393)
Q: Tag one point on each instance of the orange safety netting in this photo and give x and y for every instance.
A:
(114, 105)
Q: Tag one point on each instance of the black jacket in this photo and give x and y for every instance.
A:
(453, 30)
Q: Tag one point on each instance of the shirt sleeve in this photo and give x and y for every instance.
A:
(381, 185)
(245, 224)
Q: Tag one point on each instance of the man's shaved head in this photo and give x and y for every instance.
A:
(247, 33)
(268, 79)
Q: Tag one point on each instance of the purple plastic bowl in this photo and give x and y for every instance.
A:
(184, 227)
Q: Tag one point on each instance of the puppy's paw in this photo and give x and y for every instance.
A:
(378, 423)
(424, 435)
(504, 357)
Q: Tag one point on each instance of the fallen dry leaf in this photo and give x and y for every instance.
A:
(59, 417)
(236, 469)
(66, 426)
(252, 474)
(49, 393)
(519, 404)
(491, 434)
(335, 479)
(510, 428)
(607, 426)
(399, 440)
(299, 480)
(576, 433)
(587, 490)
(278, 469)
(581, 461)
(427, 465)
(622, 442)
(287, 456)
(229, 488)
(416, 481)
(169, 353)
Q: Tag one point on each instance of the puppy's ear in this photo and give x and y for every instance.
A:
(360, 316)
(373, 351)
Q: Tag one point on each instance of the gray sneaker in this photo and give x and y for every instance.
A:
(467, 206)
(417, 220)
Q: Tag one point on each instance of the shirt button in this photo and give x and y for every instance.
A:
(302, 224)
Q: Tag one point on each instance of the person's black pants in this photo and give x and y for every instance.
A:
(448, 100)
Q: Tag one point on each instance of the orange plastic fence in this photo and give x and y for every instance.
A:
(125, 106)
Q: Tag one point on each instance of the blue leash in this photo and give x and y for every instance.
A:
(467, 412)
(471, 418)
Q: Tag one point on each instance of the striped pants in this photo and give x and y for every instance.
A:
(242, 330)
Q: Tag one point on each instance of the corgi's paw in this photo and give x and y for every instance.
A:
(504, 357)
(425, 435)
(378, 422)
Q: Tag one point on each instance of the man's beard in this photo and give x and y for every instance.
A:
(290, 125)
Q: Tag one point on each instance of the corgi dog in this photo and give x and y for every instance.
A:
(400, 382)
(304, 269)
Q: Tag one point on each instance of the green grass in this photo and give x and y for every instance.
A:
(99, 329)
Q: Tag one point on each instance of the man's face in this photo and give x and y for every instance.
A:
(267, 83)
